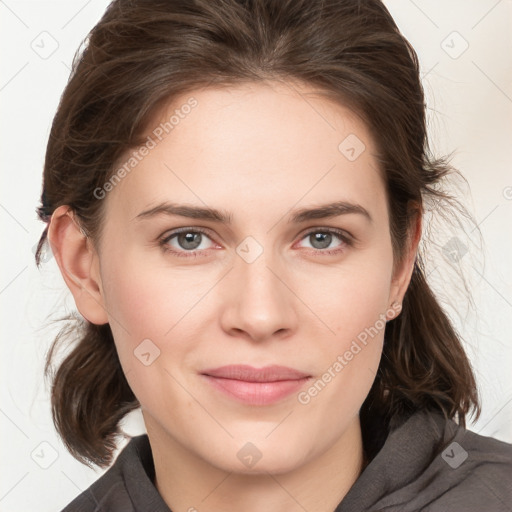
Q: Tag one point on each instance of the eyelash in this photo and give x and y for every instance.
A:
(342, 235)
(181, 254)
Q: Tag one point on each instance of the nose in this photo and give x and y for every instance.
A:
(257, 302)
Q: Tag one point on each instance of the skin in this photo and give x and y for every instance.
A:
(260, 152)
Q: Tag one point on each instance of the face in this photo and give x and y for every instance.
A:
(262, 322)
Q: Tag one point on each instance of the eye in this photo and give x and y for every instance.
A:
(193, 242)
(321, 239)
(186, 240)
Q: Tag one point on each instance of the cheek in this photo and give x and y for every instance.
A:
(138, 314)
(350, 298)
(352, 304)
(156, 310)
(135, 304)
(149, 300)
(143, 307)
(349, 359)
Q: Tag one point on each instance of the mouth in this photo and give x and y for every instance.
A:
(256, 386)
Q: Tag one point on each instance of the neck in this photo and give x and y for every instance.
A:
(188, 482)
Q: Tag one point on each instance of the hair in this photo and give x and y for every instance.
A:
(145, 53)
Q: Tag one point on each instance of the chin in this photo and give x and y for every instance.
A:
(260, 457)
(273, 465)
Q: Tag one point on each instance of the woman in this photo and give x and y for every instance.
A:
(234, 195)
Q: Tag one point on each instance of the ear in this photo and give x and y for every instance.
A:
(78, 263)
(403, 272)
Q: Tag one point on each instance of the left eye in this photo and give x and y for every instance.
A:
(322, 239)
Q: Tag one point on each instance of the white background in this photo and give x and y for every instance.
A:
(469, 96)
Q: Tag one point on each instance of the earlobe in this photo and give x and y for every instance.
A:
(78, 263)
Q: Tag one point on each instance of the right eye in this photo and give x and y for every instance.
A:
(185, 242)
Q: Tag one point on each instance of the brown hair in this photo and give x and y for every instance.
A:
(143, 54)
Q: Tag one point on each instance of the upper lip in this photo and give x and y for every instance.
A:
(248, 373)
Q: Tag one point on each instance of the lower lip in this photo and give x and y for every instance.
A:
(256, 393)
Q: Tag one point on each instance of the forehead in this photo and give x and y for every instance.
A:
(262, 145)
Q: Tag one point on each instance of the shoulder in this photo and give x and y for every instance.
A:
(466, 471)
(431, 464)
(476, 470)
(125, 485)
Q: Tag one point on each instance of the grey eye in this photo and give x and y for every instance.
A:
(320, 240)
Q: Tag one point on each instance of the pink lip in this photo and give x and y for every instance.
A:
(256, 386)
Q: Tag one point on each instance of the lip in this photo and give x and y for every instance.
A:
(256, 386)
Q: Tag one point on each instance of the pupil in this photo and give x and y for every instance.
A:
(322, 239)
(186, 240)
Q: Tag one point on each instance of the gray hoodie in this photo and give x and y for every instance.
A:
(426, 463)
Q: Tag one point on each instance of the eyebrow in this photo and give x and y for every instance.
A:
(222, 216)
